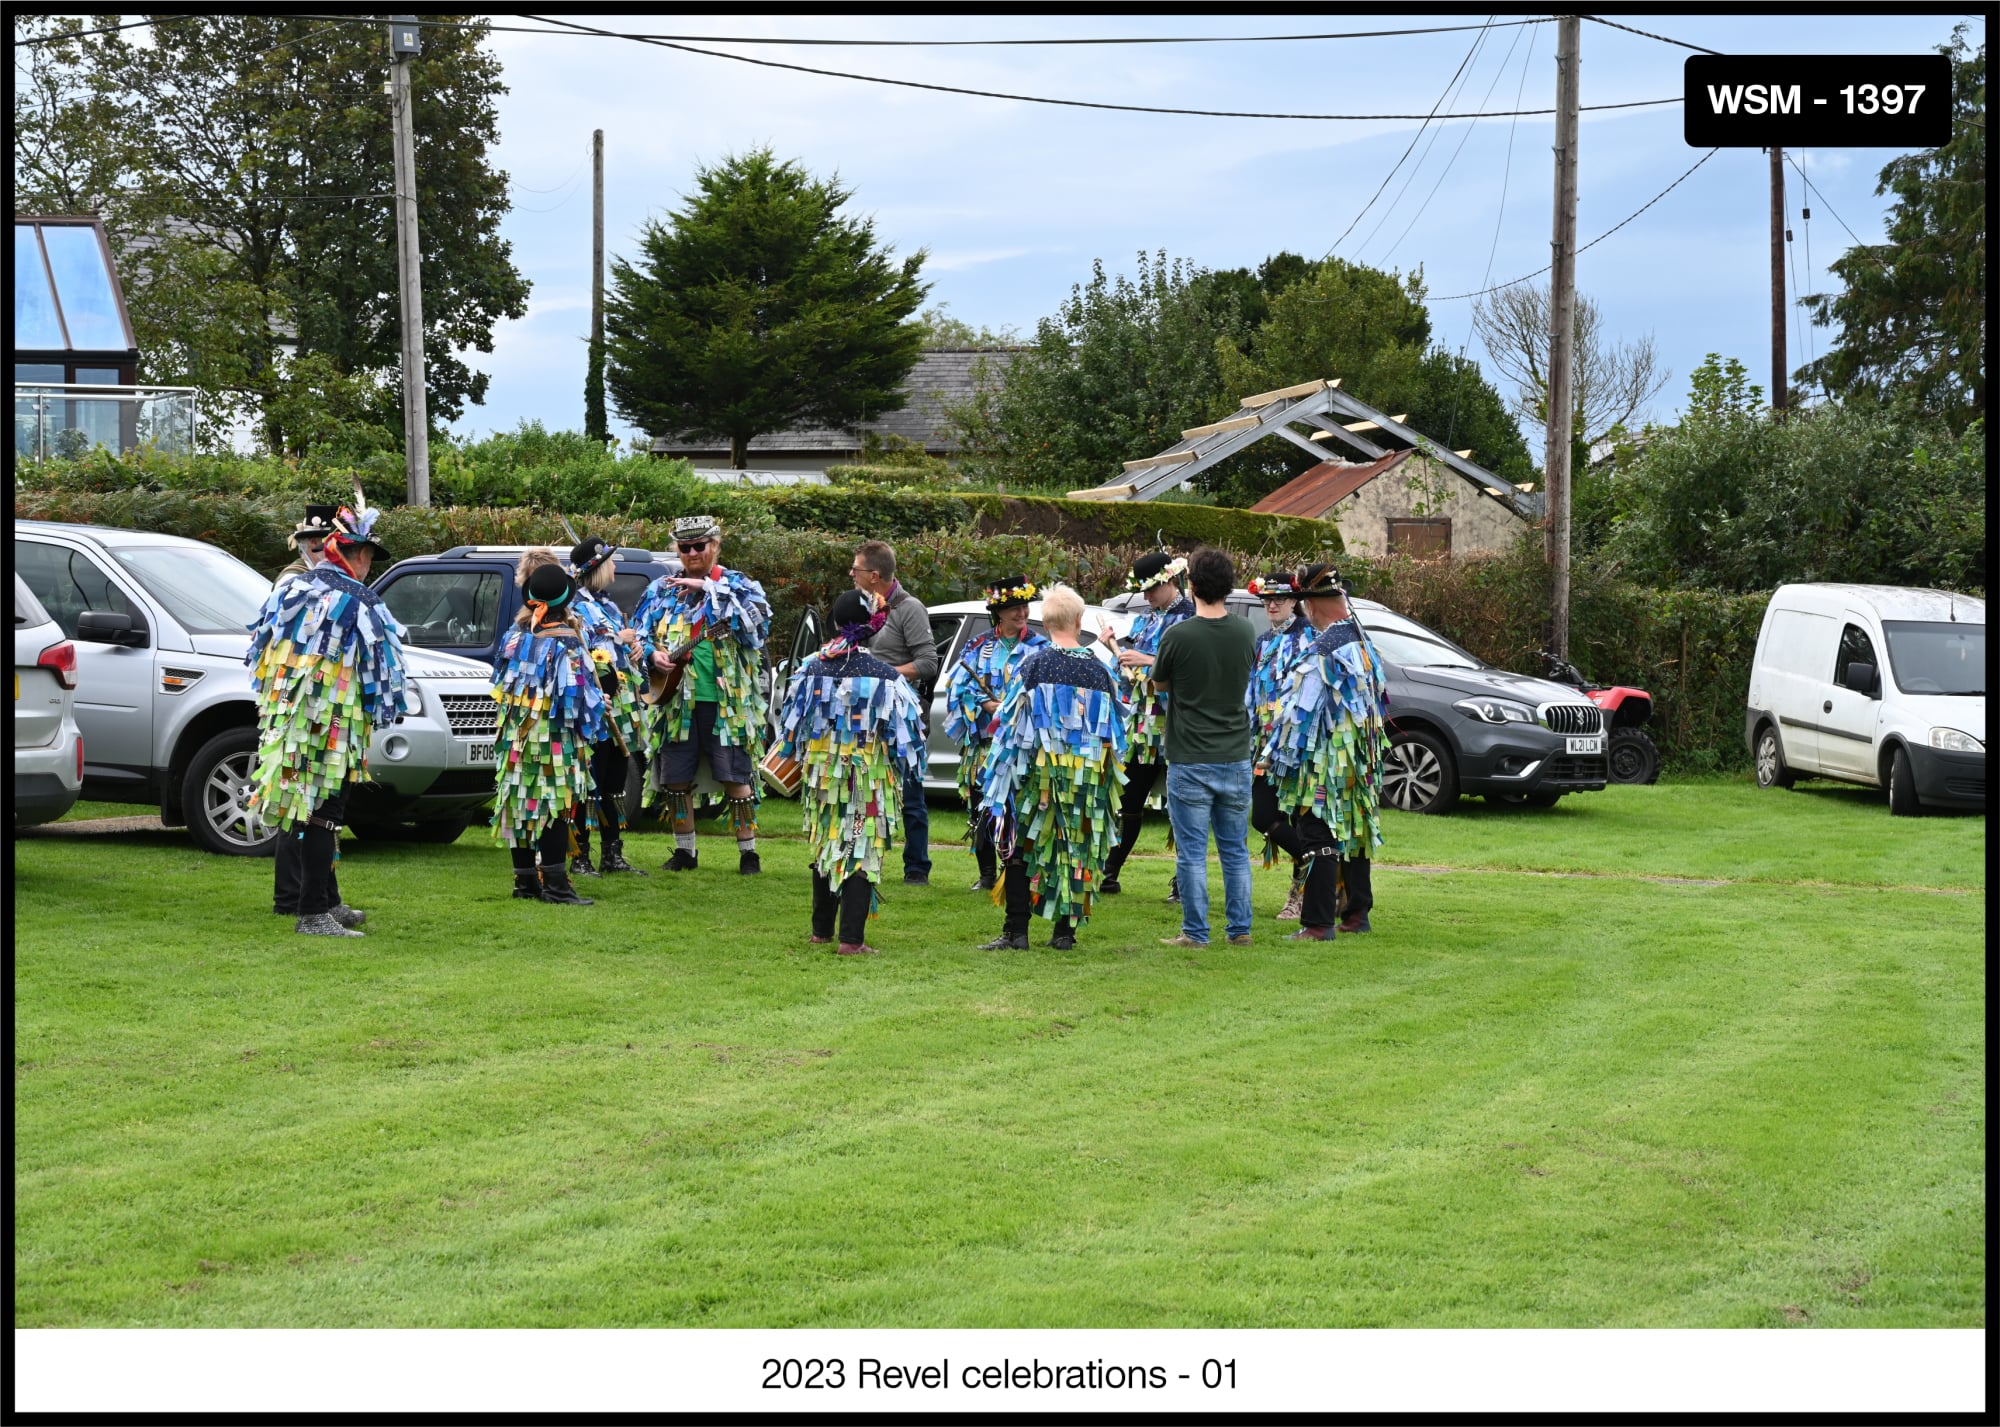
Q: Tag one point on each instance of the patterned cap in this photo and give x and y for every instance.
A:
(697, 527)
(1278, 585)
(1320, 580)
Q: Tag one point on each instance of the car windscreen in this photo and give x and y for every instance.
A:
(447, 609)
(207, 591)
(1408, 643)
(1936, 656)
(27, 609)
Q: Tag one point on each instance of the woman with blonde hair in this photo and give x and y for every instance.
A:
(1050, 787)
(621, 673)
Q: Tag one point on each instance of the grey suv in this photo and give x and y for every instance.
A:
(165, 705)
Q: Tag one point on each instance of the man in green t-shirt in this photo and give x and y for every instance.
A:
(1205, 663)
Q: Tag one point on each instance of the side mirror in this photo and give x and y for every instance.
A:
(1862, 679)
(109, 627)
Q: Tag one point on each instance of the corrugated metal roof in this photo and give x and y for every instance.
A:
(1313, 493)
(942, 376)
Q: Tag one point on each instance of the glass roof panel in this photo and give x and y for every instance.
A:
(35, 325)
(85, 286)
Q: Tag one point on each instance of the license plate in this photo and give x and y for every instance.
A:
(478, 753)
(1584, 745)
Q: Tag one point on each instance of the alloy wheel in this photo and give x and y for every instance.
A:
(226, 803)
(1411, 777)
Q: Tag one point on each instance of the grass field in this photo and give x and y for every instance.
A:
(1733, 1075)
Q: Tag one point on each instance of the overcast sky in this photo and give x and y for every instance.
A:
(1013, 200)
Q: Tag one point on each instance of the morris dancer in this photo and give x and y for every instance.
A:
(714, 621)
(1278, 648)
(857, 729)
(1325, 756)
(1158, 577)
(326, 660)
(551, 712)
(1051, 783)
(621, 673)
(308, 540)
(972, 697)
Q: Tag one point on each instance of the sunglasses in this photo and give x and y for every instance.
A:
(692, 547)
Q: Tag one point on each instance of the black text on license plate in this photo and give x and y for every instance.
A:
(478, 753)
(1584, 745)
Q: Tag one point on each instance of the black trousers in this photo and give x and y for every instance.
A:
(290, 874)
(851, 904)
(1020, 900)
(981, 832)
(1328, 875)
(311, 859)
(608, 763)
(1139, 780)
(1268, 818)
(553, 844)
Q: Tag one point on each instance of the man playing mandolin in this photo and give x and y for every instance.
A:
(700, 632)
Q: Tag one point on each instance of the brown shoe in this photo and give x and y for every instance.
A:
(1311, 934)
(819, 940)
(1243, 940)
(1182, 940)
(1358, 922)
(854, 948)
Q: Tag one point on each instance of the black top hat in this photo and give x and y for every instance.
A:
(1321, 580)
(1155, 567)
(1010, 590)
(318, 524)
(590, 552)
(550, 585)
(849, 607)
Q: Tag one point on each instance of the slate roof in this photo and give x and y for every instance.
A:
(942, 375)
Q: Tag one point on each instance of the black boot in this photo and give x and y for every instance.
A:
(681, 861)
(581, 866)
(614, 858)
(1006, 941)
(556, 887)
(528, 885)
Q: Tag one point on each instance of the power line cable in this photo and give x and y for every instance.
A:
(1406, 152)
(1813, 189)
(1498, 74)
(112, 29)
(1062, 103)
(1663, 39)
(1460, 296)
(1430, 143)
(959, 44)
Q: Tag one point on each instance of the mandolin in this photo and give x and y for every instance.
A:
(665, 683)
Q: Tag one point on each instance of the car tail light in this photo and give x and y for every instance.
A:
(62, 659)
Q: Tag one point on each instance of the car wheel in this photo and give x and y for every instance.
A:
(215, 797)
(1771, 769)
(1902, 786)
(1418, 774)
(1634, 757)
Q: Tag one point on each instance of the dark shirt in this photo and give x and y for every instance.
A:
(1053, 664)
(1205, 665)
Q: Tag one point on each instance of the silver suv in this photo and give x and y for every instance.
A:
(165, 704)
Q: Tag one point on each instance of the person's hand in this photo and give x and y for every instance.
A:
(991, 706)
(1104, 630)
(687, 582)
(662, 660)
(1132, 659)
(630, 636)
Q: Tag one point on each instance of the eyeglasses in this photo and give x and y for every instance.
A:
(692, 547)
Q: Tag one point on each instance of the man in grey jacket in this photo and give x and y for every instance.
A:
(905, 641)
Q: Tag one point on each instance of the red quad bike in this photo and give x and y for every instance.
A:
(1630, 750)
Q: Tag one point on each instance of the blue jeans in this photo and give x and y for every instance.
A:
(1200, 796)
(916, 827)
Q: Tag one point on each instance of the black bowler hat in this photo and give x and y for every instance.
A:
(317, 525)
(590, 552)
(550, 585)
(849, 607)
(1154, 568)
(1320, 580)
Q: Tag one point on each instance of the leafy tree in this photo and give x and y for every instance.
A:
(941, 329)
(1730, 499)
(1116, 373)
(1912, 318)
(595, 427)
(758, 306)
(245, 165)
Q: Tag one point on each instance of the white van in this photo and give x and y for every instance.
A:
(1824, 704)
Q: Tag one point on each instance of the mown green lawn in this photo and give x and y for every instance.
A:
(1752, 1098)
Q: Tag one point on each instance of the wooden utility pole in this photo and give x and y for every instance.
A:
(1780, 386)
(403, 46)
(597, 238)
(1562, 331)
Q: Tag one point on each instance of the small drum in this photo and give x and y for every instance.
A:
(780, 774)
